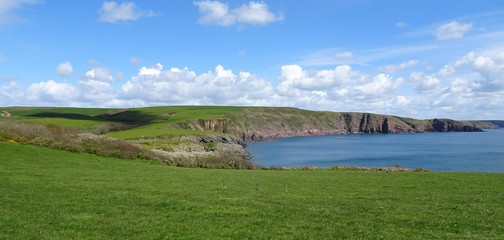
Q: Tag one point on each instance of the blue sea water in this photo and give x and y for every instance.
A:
(451, 152)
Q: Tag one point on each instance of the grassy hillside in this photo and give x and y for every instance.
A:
(147, 122)
(51, 194)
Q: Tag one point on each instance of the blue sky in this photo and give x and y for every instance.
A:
(421, 59)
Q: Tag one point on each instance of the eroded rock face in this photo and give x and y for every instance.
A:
(284, 122)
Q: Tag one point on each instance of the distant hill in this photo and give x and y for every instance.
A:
(487, 124)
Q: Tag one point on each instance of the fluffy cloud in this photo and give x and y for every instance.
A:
(471, 87)
(64, 69)
(255, 13)
(338, 89)
(218, 13)
(452, 30)
(491, 70)
(112, 12)
(154, 85)
(51, 92)
(398, 68)
(95, 85)
(10, 94)
(426, 83)
(3, 58)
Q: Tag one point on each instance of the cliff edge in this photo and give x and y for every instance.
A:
(261, 123)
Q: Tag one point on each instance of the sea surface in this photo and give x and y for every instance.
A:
(450, 152)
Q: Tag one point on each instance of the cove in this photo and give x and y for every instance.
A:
(447, 151)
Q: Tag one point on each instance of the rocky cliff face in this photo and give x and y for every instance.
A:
(258, 124)
(487, 124)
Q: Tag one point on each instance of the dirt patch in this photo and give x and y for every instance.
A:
(5, 114)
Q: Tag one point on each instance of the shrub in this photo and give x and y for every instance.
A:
(19, 139)
(309, 168)
(68, 139)
(210, 146)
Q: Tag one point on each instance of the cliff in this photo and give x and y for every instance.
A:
(261, 123)
(487, 124)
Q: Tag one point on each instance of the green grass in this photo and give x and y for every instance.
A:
(155, 130)
(28, 111)
(71, 123)
(51, 194)
(153, 118)
(180, 114)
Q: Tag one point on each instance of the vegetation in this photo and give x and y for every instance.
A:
(52, 194)
(140, 122)
(73, 140)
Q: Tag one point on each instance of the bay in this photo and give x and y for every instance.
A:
(448, 151)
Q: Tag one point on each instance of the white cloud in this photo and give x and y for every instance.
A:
(9, 7)
(215, 13)
(9, 94)
(398, 68)
(339, 88)
(182, 86)
(452, 30)
(491, 70)
(255, 13)
(426, 83)
(218, 13)
(3, 58)
(112, 12)
(401, 25)
(344, 55)
(95, 85)
(51, 92)
(242, 53)
(64, 69)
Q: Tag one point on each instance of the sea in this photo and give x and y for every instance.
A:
(440, 151)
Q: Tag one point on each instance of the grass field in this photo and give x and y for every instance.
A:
(51, 194)
(151, 119)
(71, 123)
(178, 114)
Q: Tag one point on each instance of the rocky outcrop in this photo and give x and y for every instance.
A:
(222, 144)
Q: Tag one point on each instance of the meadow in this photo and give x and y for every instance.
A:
(52, 194)
(147, 122)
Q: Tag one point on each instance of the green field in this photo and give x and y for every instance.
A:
(52, 194)
(178, 114)
(152, 120)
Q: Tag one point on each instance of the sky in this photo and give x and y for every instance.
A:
(420, 58)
